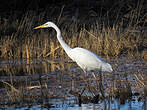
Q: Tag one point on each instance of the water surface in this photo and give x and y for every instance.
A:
(58, 84)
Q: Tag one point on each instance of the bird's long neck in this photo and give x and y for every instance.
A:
(59, 37)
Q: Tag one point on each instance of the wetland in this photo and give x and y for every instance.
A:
(36, 73)
(59, 84)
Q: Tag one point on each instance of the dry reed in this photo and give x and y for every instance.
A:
(19, 40)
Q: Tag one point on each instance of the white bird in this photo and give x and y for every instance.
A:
(86, 59)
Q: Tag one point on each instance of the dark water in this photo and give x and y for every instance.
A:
(57, 84)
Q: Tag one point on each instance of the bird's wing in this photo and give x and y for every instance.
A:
(86, 58)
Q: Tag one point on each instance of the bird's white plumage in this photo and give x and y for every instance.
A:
(87, 60)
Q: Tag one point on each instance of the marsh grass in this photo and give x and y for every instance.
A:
(14, 95)
(44, 80)
(19, 40)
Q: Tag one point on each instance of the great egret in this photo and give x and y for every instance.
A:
(84, 58)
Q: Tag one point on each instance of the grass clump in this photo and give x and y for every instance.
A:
(122, 36)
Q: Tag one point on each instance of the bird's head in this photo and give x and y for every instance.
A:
(46, 25)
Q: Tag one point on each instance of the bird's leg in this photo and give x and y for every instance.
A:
(94, 76)
(85, 73)
(101, 87)
(84, 78)
(86, 81)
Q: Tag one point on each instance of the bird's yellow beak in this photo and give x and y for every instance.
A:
(41, 26)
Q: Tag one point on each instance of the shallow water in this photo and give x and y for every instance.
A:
(57, 84)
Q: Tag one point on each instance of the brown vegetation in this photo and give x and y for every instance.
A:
(104, 36)
(108, 41)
